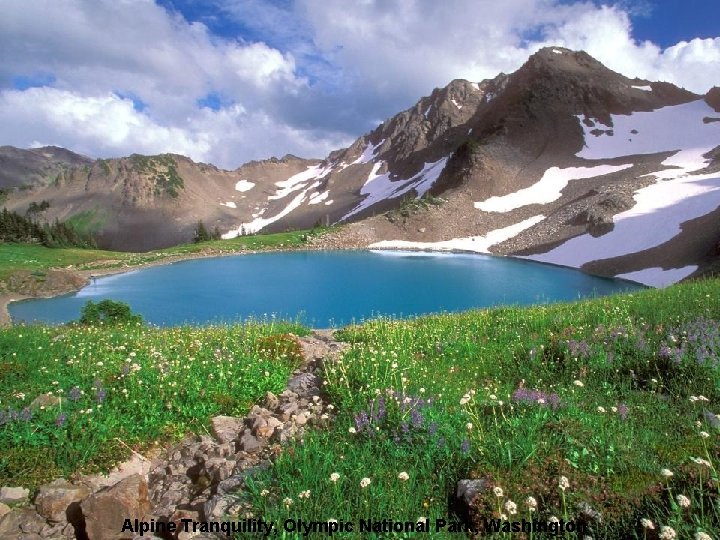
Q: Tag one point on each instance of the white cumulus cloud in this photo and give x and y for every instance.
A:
(124, 76)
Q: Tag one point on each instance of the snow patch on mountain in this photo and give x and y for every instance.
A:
(259, 223)
(229, 204)
(244, 185)
(379, 187)
(657, 217)
(368, 154)
(646, 88)
(476, 244)
(298, 181)
(548, 189)
(657, 277)
(317, 198)
(671, 128)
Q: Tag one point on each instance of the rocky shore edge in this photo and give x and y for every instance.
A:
(199, 479)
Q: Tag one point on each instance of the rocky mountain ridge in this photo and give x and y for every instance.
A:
(562, 150)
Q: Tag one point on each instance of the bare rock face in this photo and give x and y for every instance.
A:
(106, 511)
(713, 98)
(59, 501)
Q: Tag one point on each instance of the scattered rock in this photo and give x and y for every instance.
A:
(14, 495)
(226, 428)
(467, 490)
(106, 510)
(271, 401)
(249, 442)
(44, 401)
(59, 501)
(305, 385)
(198, 479)
(21, 524)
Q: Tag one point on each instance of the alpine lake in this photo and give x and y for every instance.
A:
(323, 289)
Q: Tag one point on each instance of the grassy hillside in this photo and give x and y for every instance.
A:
(37, 258)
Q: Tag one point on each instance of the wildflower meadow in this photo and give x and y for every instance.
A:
(603, 412)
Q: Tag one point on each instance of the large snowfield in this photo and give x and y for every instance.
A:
(679, 194)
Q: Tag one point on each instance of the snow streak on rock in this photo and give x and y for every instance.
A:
(547, 189)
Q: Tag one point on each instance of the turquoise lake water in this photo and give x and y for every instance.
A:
(324, 289)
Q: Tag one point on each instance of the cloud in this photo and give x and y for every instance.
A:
(606, 34)
(112, 77)
(106, 125)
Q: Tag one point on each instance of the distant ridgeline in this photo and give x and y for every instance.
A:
(17, 228)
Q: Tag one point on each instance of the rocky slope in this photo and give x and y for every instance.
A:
(563, 161)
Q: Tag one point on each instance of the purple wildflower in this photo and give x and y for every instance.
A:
(362, 421)
(379, 411)
(465, 446)
(416, 418)
(432, 428)
(74, 393)
(61, 419)
(623, 411)
(100, 395)
(529, 396)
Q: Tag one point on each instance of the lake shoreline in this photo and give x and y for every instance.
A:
(83, 278)
(88, 275)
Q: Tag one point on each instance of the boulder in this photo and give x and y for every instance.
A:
(13, 495)
(467, 490)
(250, 443)
(271, 401)
(106, 511)
(4, 509)
(304, 384)
(59, 501)
(226, 428)
(45, 400)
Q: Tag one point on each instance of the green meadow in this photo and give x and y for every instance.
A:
(601, 411)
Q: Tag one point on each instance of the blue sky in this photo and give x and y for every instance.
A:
(226, 81)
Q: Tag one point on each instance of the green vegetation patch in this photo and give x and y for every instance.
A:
(600, 411)
(38, 258)
(411, 205)
(162, 170)
(88, 221)
(112, 388)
